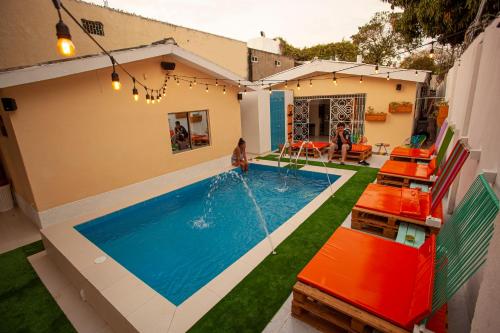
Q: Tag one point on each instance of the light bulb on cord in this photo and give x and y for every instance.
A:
(148, 98)
(376, 69)
(335, 78)
(65, 45)
(388, 78)
(286, 84)
(206, 88)
(298, 84)
(135, 93)
(361, 79)
(224, 90)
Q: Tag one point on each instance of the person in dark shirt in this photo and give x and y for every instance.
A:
(181, 135)
(341, 141)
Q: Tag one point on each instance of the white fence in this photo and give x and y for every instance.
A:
(473, 93)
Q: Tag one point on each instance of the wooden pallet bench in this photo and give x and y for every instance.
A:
(410, 234)
(330, 314)
(382, 224)
(400, 181)
(411, 159)
(355, 155)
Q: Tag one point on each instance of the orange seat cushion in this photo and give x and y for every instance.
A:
(385, 278)
(413, 152)
(406, 202)
(356, 147)
(408, 169)
(311, 144)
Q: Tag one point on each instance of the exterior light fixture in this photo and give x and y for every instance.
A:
(310, 83)
(270, 89)
(245, 91)
(148, 98)
(239, 84)
(194, 82)
(115, 78)
(388, 78)
(206, 88)
(216, 83)
(298, 84)
(335, 78)
(190, 85)
(158, 96)
(224, 90)
(361, 79)
(376, 69)
(431, 52)
(65, 45)
(135, 93)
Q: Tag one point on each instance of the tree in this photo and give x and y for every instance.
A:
(344, 50)
(445, 20)
(378, 42)
(420, 61)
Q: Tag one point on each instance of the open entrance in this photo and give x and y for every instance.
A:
(319, 120)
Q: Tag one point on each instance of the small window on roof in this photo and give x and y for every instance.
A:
(277, 63)
(93, 27)
(254, 58)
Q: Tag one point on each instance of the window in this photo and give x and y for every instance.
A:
(254, 58)
(277, 63)
(3, 129)
(93, 27)
(189, 130)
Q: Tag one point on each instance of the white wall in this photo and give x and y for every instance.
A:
(256, 122)
(473, 92)
(264, 44)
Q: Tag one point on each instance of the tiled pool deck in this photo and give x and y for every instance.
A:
(127, 303)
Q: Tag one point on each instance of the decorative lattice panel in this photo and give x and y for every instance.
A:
(301, 120)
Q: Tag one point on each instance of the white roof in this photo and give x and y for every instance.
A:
(56, 69)
(319, 67)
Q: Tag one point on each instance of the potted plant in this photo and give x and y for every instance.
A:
(442, 113)
(6, 202)
(400, 107)
(371, 115)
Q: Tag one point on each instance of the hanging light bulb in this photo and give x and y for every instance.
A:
(431, 52)
(178, 82)
(224, 90)
(148, 98)
(388, 78)
(239, 84)
(152, 97)
(206, 88)
(286, 84)
(194, 82)
(115, 78)
(158, 96)
(270, 89)
(416, 73)
(335, 78)
(310, 83)
(376, 69)
(164, 91)
(190, 85)
(298, 84)
(216, 83)
(135, 93)
(65, 45)
(245, 91)
(361, 79)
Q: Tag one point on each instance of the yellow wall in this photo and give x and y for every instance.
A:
(79, 138)
(379, 93)
(29, 25)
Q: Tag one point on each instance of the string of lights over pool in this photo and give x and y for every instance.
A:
(66, 48)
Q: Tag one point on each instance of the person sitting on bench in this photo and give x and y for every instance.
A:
(342, 141)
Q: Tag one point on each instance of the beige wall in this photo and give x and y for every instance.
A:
(12, 160)
(379, 93)
(29, 25)
(79, 138)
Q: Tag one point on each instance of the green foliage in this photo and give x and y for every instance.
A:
(25, 304)
(378, 42)
(344, 50)
(444, 20)
(250, 306)
(420, 61)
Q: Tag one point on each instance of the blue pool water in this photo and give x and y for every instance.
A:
(179, 241)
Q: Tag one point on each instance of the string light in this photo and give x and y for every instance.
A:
(65, 45)
(361, 79)
(194, 82)
(335, 78)
(416, 73)
(286, 84)
(216, 83)
(310, 83)
(431, 52)
(152, 97)
(115, 78)
(245, 91)
(135, 93)
(224, 90)
(178, 81)
(158, 96)
(376, 69)
(206, 88)
(164, 90)
(148, 99)
(270, 89)
(298, 84)
(239, 84)
(190, 85)
(388, 78)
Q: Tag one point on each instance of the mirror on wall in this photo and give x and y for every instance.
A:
(189, 130)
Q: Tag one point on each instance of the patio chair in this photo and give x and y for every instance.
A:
(359, 283)
(443, 140)
(381, 209)
(406, 174)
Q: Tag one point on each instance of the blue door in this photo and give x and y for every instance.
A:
(277, 108)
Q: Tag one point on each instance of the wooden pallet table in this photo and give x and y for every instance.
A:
(400, 181)
(330, 314)
(355, 155)
(382, 224)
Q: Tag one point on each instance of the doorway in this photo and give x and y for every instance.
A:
(319, 120)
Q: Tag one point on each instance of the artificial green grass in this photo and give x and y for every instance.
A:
(250, 306)
(25, 303)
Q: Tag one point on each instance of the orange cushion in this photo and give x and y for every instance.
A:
(408, 169)
(357, 147)
(389, 200)
(311, 145)
(385, 278)
(412, 152)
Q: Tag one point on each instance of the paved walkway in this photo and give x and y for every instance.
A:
(16, 230)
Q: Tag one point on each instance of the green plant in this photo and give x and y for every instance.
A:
(371, 111)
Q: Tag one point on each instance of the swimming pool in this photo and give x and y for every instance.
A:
(177, 242)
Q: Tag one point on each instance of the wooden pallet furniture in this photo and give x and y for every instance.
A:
(358, 283)
(358, 152)
(410, 235)
(399, 173)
